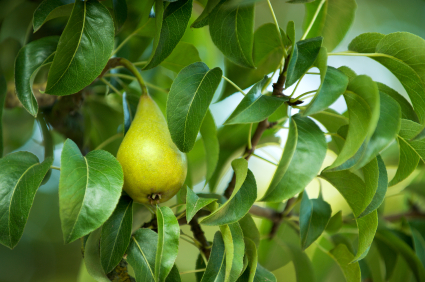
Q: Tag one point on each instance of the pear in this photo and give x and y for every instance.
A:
(154, 168)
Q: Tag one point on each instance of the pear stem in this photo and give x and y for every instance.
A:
(132, 68)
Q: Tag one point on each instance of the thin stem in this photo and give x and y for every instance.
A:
(129, 65)
(313, 20)
(109, 140)
(352, 53)
(318, 73)
(277, 28)
(181, 215)
(249, 137)
(129, 37)
(110, 86)
(193, 271)
(149, 209)
(281, 127)
(296, 86)
(304, 94)
(308, 96)
(140, 63)
(121, 75)
(176, 205)
(264, 159)
(234, 85)
(190, 242)
(55, 167)
(156, 87)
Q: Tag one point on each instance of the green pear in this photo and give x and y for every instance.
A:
(154, 168)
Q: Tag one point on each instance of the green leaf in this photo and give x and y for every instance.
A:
(21, 175)
(314, 216)
(267, 55)
(302, 59)
(215, 271)
(303, 266)
(116, 233)
(333, 84)
(232, 31)
(362, 98)
(290, 31)
(49, 10)
(211, 144)
(241, 200)
(235, 248)
(419, 243)
(120, 12)
(188, 101)
(92, 257)
(335, 223)
(420, 135)
(402, 54)
(344, 258)
(28, 61)
(168, 242)
(333, 21)
(251, 252)
(249, 229)
(255, 106)
(174, 275)
(301, 160)
(89, 189)
(3, 94)
(195, 203)
(171, 24)
(202, 20)
(411, 151)
(263, 275)
(141, 254)
(183, 55)
(82, 51)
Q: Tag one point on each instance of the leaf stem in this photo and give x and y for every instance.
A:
(264, 159)
(277, 28)
(249, 137)
(110, 86)
(234, 85)
(129, 65)
(129, 37)
(120, 75)
(304, 94)
(109, 140)
(193, 271)
(318, 73)
(140, 63)
(352, 53)
(55, 167)
(296, 87)
(313, 20)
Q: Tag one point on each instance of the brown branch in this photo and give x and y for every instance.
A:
(199, 235)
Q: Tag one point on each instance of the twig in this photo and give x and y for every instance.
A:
(199, 235)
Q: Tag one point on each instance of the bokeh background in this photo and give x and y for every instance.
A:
(41, 254)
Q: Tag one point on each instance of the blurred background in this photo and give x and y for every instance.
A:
(41, 254)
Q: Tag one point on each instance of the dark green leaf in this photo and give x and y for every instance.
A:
(232, 31)
(333, 21)
(211, 145)
(168, 242)
(235, 247)
(21, 174)
(335, 223)
(89, 190)
(290, 31)
(120, 12)
(28, 61)
(420, 135)
(301, 160)
(202, 20)
(183, 55)
(82, 51)
(174, 275)
(195, 203)
(263, 275)
(16, 24)
(171, 24)
(92, 257)
(51, 9)
(302, 58)
(314, 216)
(3, 93)
(141, 254)
(344, 258)
(419, 242)
(241, 200)
(251, 252)
(116, 233)
(215, 271)
(249, 229)
(255, 106)
(188, 101)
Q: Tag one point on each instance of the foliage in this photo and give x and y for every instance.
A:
(110, 53)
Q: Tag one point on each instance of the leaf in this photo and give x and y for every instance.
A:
(410, 151)
(49, 10)
(195, 203)
(263, 275)
(335, 223)
(28, 62)
(362, 98)
(21, 175)
(344, 259)
(420, 135)
(188, 101)
(255, 106)
(92, 257)
(120, 12)
(241, 200)
(211, 144)
(419, 243)
(141, 254)
(314, 217)
(171, 24)
(232, 31)
(3, 94)
(116, 234)
(82, 51)
(333, 84)
(302, 58)
(402, 54)
(215, 270)
(301, 160)
(249, 229)
(235, 247)
(303, 266)
(168, 242)
(174, 275)
(89, 190)
(183, 55)
(333, 21)
(202, 20)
